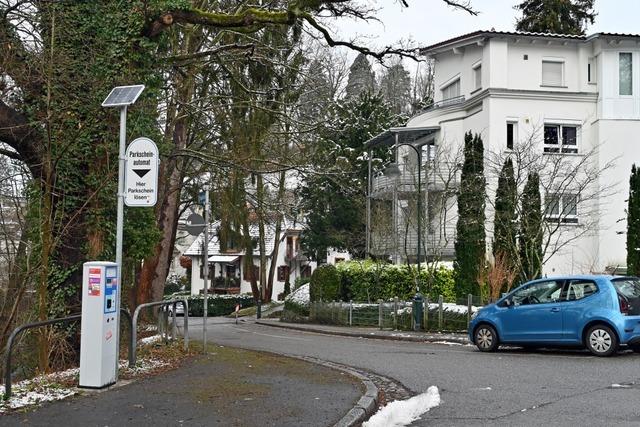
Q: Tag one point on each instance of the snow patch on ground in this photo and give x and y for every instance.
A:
(150, 340)
(47, 388)
(404, 412)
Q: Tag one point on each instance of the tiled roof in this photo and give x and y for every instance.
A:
(214, 244)
(492, 33)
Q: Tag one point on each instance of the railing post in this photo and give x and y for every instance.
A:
(426, 312)
(395, 313)
(174, 327)
(185, 334)
(469, 305)
(440, 301)
(350, 312)
(380, 314)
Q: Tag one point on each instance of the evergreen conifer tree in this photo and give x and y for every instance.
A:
(555, 16)
(470, 241)
(530, 238)
(504, 223)
(361, 78)
(633, 223)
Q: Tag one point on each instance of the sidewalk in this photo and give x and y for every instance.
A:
(359, 332)
(227, 387)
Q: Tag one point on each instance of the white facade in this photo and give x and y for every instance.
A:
(516, 89)
(229, 264)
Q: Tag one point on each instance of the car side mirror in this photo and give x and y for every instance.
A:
(507, 302)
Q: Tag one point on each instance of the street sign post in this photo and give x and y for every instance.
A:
(141, 177)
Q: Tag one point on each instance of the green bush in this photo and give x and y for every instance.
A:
(325, 284)
(218, 305)
(301, 281)
(368, 281)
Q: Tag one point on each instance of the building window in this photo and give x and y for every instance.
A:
(552, 73)
(338, 260)
(283, 273)
(477, 76)
(452, 90)
(561, 139)
(625, 70)
(512, 130)
(561, 208)
(230, 270)
(591, 70)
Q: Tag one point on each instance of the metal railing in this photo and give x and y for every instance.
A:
(17, 331)
(163, 318)
(444, 103)
(397, 315)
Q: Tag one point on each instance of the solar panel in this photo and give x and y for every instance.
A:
(123, 95)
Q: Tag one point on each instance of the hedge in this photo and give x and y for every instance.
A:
(217, 305)
(368, 281)
(325, 284)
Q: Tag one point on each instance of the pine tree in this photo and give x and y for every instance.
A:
(555, 16)
(470, 242)
(633, 223)
(361, 77)
(530, 238)
(395, 87)
(504, 223)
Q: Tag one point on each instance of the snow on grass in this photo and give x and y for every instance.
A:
(300, 296)
(404, 412)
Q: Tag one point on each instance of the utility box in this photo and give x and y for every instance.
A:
(99, 326)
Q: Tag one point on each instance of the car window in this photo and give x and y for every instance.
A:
(629, 287)
(538, 293)
(578, 289)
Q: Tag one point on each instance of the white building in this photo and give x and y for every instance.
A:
(226, 266)
(573, 100)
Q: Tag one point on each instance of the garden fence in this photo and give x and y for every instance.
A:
(396, 314)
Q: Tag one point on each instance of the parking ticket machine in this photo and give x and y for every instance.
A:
(99, 326)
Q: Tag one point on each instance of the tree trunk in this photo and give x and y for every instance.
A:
(276, 238)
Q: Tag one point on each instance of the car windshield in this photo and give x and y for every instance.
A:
(629, 286)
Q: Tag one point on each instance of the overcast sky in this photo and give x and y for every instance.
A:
(431, 21)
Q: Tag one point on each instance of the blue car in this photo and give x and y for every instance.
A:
(597, 312)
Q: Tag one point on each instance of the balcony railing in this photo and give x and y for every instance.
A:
(436, 176)
(444, 103)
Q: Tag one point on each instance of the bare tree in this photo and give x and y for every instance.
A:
(572, 190)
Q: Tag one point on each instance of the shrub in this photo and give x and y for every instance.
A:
(301, 281)
(218, 305)
(368, 281)
(325, 284)
(174, 283)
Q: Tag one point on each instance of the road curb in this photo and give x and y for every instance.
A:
(428, 338)
(366, 406)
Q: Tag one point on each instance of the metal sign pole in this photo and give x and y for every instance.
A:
(120, 223)
(206, 267)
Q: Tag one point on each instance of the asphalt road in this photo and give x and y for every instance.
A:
(511, 387)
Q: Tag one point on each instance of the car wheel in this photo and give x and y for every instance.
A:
(486, 338)
(601, 340)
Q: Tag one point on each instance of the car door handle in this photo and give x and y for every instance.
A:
(555, 310)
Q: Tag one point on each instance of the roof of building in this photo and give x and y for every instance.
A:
(214, 243)
(494, 33)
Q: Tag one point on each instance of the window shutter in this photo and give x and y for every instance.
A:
(552, 73)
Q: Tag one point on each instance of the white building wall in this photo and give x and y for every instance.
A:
(607, 121)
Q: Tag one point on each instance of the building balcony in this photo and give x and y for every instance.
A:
(444, 103)
(436, 176)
